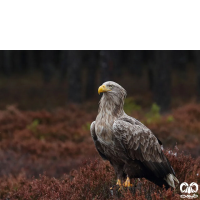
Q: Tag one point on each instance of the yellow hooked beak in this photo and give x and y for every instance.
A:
(103, 88)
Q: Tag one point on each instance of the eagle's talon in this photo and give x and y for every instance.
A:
(119, 182)
(113, 187)
(120, 188)
(127, 183)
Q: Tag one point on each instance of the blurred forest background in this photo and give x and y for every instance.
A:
(48, 79)
(48, 99)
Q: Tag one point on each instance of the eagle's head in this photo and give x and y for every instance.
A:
(112, 100)
(112, 91)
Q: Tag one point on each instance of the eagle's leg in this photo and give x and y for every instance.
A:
(119, 173)
(119, 183)
(127, 183)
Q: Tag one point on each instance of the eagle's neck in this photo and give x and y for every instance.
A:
(111, 106)
(109, 110)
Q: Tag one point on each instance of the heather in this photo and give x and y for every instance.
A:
(92, 181)
(51, 155)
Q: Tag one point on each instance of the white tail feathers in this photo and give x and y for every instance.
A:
(170, 178)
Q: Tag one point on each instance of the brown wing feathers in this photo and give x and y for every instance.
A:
(143, 145)
(96, 142)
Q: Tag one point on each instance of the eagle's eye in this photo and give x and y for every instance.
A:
(110, 86)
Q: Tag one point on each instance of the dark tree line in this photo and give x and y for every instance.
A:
(70, 65)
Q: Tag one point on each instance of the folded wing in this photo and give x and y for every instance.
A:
(96, 142)
(142, 145)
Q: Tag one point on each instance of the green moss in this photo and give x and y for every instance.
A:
(33, 125)
(154, 114)
(87, 126)
(130, 105)
(170, 118)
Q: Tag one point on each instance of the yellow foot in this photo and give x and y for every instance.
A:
(119, 184)
(127, 183)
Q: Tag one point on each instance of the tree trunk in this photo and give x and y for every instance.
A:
(162, 82)
(136, 62)
(116, 58)
(7, 54)
(74, 77)
(1, 60)
(17, 57)
(63, 65)
(47, 65)
(31, 60)
(150, 57)
(197, 59)
(105, 67)
(180, 58)
(91, 75)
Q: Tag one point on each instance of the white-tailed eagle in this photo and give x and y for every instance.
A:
(130, 146)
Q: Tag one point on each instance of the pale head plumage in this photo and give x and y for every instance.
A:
(113, 97)
(114, 89)
(110, 108)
